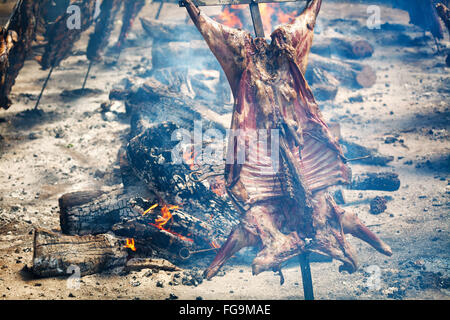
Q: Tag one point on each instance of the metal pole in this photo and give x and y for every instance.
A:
(43, 87)
(256, 18)
(86, 77)
(161, 4)
(306, 276)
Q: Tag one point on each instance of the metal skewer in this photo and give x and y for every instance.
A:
(43, 88)
(185, 253)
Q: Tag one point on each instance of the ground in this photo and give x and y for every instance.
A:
(69, 145)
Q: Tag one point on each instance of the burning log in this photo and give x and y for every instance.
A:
(93, 212)
(57, 255)
(137, 264)
(157, 228)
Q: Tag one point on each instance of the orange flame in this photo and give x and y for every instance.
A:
(229, 18)
(130, 244)
(165, 218)
(270, 13)
(214, 245)
(150, 209)
(267, 11)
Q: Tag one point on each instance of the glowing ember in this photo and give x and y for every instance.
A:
(130, 244)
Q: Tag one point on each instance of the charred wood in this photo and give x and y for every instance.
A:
(344, 48)
(383, 181)
(350, 74)
(56, 255)
(364, 155)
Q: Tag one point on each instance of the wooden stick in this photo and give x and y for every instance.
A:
(43, 88)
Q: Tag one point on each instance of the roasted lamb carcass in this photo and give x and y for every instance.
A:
(286, 209)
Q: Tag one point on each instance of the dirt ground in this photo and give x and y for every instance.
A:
(69, 145)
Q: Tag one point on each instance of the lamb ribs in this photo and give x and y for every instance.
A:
(287, 210)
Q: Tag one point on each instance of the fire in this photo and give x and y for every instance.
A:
(161, 221)
(214, 245)
(284, 18)
(130, 244)
(189, 159)
(150, 209)
(166, 216)
(270, 13)
(267, 11)
(229, 17)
